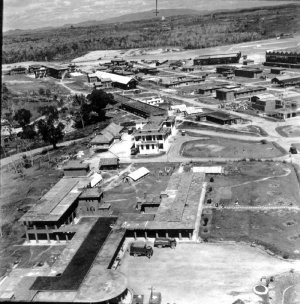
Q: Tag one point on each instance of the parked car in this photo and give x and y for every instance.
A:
(165, 242)
(141, 248)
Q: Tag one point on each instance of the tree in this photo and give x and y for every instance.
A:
(23, 117)
(28, 132)
(50, 128)
(80, 101)
(99, 100)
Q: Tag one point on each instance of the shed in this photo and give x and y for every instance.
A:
(76, 168)
(96, 179)
(209, 170)
(108, 160)
(137, 174)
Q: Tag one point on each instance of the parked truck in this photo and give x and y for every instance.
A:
(165, 242)
(141, 249)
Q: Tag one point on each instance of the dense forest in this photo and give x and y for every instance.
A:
(189, 31)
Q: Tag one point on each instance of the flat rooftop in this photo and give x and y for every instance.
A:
(81, 262)
(86, 259)
(57, 200)
(179, 209)
(222, 115)
(228, 55)
(140, 106)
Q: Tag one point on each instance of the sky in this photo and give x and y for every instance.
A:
(29, 14)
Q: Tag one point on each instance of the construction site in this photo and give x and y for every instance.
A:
(186, 191)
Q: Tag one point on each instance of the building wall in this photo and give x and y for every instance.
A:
(247, 73)
(264, 106)
(78, 172)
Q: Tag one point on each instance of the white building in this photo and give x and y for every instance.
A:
(153, 137)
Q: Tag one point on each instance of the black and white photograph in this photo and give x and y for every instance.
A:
(150, 152)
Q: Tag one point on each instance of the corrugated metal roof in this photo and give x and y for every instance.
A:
(114, 77)
(212, 170)
(139, 173)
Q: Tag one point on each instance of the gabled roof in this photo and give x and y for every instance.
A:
(107, 134)
(113, 77)
(139, 173)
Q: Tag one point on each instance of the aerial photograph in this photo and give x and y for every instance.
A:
(150, 152)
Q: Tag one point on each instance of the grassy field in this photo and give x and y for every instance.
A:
(256, 184)
(229, 148)
(289, 131)
(277, 231)
(259, 185)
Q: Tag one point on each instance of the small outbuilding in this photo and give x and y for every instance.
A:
(108, 161)
(76, 168)
(137, 175)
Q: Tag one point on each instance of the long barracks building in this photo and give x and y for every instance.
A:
(218, 59)
(283, 58)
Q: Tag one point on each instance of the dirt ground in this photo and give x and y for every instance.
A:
(220, 147)
(202, 273)
(123, 196)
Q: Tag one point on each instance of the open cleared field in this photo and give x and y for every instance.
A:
(221, 147)
(276, 230)
(202, 273)
(289, 131)
(256, 184)
(23, 84)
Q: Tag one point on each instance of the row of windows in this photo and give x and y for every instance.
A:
(147, 147)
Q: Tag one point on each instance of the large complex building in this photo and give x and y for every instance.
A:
(218, 59)
(283, 58)
(284, 81)
(138, 108)
(153, 137)
(118, 81)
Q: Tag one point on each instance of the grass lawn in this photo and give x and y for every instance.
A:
(289, 131)
(277, 231)
(229, 148)
(256, 184)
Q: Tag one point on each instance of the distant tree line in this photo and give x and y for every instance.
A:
(182, 31)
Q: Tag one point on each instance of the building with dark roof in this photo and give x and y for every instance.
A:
(108, 161)
(106, 137)
(18, 70)
(220, 117)
(218, 59)
(82, 273)
(76, 168)
(248, 72)
(288, 58)
(56, 71)
(287, 80)
(137, 107)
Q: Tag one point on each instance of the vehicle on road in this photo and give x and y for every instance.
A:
(141, 249)
(165, 242)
